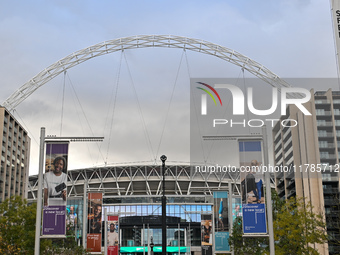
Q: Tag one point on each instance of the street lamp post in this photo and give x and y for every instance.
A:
(39, 200)
(151, 245)
(44, 139)
(163, 158)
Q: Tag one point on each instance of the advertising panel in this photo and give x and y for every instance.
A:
(94, 219)
(206, 234)
(55, 191)
(74, 215)
(222, 242)
(112, 235)
(254, 219)
(253, 202)
(221, 221)
(237, 208)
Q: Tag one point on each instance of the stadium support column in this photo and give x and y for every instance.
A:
(163, 158)
(268, 193)
(84, 235)
(40, 186)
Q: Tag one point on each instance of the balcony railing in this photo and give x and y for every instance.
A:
(279, 175)
(291, 193)
(325, 135)
(322, 101)
(287, 134)
(324, 113)
(326, 124)
(277, 146)
(331, 191)
(327, 156)
(288, 152)
(278, 134)
(287, 143)
(330, 178)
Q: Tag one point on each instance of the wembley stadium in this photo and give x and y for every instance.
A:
(134, 193)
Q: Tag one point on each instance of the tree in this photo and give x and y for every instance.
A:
(17, 225)
(296, 226)
(241, 245)
(17, 231)
(246, 245)
(67, 246)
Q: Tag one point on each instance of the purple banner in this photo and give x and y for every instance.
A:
(54, 216)
(55, 189)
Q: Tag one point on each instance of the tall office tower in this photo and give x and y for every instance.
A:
(14, 157)
(314, 143)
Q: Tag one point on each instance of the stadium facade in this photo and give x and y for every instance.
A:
(134, 193)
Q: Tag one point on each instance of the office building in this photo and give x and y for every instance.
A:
(14, 157)
(314, 143)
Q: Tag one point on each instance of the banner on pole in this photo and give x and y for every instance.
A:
(206, 234)
(94, 218)
(55, 190)
(74, 213)
(254, 219)
(112, 235)
(253, 202)
(221, 221)
(237, 208)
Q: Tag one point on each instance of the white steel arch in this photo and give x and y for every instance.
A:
(142, 41)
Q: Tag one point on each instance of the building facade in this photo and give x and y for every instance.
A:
(134, 193)
(14, 157)
(311, 151)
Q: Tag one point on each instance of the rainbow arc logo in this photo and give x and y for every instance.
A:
(204, 97)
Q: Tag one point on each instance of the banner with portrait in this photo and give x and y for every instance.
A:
(237, 208)
(206, 234)
(252, 193)
(112, 235)
(221, 221)
(94, 219)
(55, 189)
(74, 214)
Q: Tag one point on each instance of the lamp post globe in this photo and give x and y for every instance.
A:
(163, 158)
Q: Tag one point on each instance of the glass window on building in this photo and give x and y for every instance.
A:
(323, 144)
(320, 111)
(336, 111)
(144, 222)
(324, 154)
(322, 133)
(321, 122)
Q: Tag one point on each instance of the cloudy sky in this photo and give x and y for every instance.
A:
(139, 99)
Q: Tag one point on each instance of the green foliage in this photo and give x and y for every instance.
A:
(67, 246)
(253, 246)
(17, 231)
(295, 228)
(277, 204)
(17, 224)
